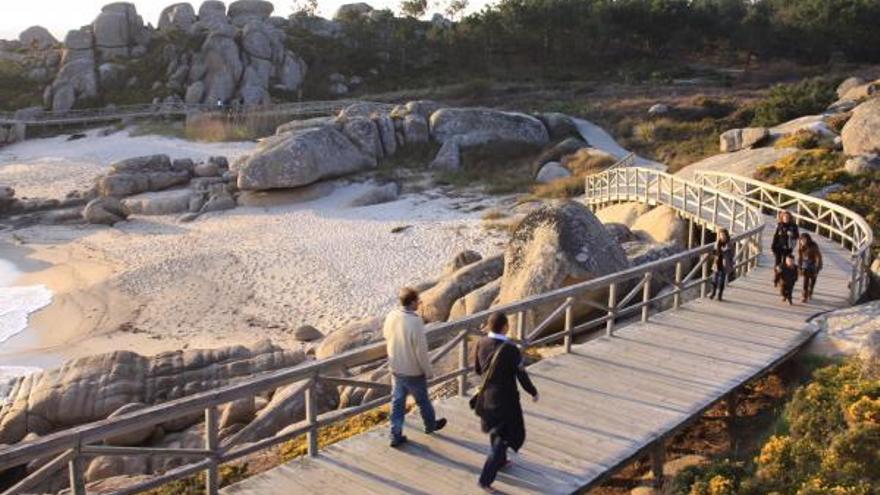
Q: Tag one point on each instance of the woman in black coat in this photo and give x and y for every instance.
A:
(785, 239)
(499, 407)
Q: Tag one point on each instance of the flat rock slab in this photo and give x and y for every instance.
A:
(159, 203)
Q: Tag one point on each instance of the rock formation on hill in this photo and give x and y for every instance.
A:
(235, 55)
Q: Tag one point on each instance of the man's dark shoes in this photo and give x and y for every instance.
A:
(438, 425)
(398, 441)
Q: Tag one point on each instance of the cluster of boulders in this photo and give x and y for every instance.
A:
(11, 132)
(304, 152)
(207, 54)
(113, 384)
(157, 185)
(556, 245)
(36, 51)
(858, 104)
(145, 185)
(215, 54)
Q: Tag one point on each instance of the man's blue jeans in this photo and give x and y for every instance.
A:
(417, 386)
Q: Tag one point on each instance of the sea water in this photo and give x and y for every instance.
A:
(16, 305)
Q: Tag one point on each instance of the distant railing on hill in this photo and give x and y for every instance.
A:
(628, 293)
(835, 222)
(111, 112)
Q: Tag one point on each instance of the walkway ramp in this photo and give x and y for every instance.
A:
(601, 406)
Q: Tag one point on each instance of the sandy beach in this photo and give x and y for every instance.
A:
(153, 284)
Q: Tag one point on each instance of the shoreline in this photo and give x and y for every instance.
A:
(82, 306)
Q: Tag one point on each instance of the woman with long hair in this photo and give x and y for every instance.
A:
(809, 263)
(499, 361)
(722, 263)
(785, 239)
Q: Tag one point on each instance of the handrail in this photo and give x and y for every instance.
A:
(850, 229)
(176, 108)
(629, 160)
(704, 206)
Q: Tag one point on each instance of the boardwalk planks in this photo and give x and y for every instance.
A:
(607, 401)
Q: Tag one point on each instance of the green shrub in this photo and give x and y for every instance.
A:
(788, 101)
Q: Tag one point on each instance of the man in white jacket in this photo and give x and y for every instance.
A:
(409, 363)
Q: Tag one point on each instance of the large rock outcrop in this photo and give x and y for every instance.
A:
(623, 213)
(299, 159)
(91, 388)
(554, 246)
(234, 58)
(351, 336)
(861, 134)
(662, 225)
(437, 301)
(447, 123)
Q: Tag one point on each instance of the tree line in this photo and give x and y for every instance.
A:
(555, 36)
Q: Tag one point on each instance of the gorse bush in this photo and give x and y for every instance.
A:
(805, 171)
(788, 101)
(831, 446)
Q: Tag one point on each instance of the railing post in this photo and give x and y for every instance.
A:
(700, 202)
(706, 260)
(212, 474)
(612, 309)
(690, 233)
(676, 298)
(311, 418)
(77, 482)
(520, 325)
(715, 210)
(646, 296)
(733, 218)
(463, 365)
(658, 458)
(569, 324)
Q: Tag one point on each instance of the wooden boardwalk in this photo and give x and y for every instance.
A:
(603, 405)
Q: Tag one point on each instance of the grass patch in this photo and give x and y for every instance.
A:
(500, 168)
(333, 433)
(165, 128)
(560, 188)
(195, 485)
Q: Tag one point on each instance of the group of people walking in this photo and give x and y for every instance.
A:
(500, 364)
(497, 360)
(789, 242)
(795, 254)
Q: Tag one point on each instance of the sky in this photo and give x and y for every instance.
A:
(59, 16)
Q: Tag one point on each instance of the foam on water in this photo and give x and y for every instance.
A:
(16, 305)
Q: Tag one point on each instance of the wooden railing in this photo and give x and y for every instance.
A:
(827, 219)
(629, 160)
(110, 112)
(629, 293)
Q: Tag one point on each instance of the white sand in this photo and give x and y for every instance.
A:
(255, 272)
(51, 167)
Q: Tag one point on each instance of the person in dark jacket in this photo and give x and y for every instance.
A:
(809, 263)
(785, 239)
(500, 412)
(722, 263)
(788, 275)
